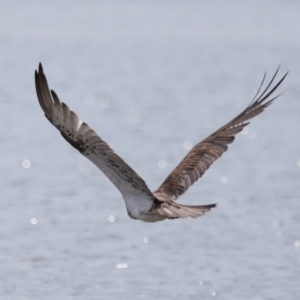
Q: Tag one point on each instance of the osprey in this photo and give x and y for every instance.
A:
(141, 203)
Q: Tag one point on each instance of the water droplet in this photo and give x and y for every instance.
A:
(146, 240)
(297, 243)
(122, 266)
(187, 145)
(33, 221)
(298, 162)
(201, 282)
(26, 163)
(104, 103)
(224, 179)
(275, 223)
(162, 164)
(89, 100)
(214, 294)
(111, 219)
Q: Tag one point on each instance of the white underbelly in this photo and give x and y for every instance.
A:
(138, 205)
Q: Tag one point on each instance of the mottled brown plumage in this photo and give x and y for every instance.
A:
(199, 159)
(140, 202)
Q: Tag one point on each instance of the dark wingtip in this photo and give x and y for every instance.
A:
(286, 74)
(209, 205)
(53, 94)
(40, 68)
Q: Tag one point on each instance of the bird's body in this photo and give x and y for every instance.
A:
(141, 203)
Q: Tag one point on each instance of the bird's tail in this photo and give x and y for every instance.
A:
(174, 210)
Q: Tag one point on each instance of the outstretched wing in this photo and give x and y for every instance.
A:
(86, 141)
(199, 159)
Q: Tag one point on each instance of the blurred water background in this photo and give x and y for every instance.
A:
(152, 78)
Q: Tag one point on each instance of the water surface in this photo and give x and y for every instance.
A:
(151, 80)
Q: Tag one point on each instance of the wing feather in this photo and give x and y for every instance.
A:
(86, 141)
(202, 155)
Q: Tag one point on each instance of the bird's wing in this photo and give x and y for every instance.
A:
(86, 141)
(201, 156)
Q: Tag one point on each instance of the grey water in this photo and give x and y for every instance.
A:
(152, 79)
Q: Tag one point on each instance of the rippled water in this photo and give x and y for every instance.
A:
(152, 80)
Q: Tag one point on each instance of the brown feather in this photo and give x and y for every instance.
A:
(200, 158)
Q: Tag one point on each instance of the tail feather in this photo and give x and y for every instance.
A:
(174, 210)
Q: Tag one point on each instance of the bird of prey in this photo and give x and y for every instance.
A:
(141, 203)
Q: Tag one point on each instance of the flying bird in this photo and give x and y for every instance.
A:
(141, 203)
